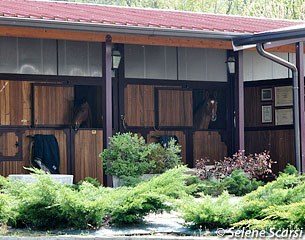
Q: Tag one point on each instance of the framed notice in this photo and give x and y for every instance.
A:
(283, 96)
(266, 94)
(267, 114)
(284, 116)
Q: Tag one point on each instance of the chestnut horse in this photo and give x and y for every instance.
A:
(206, 112)
(82, 116)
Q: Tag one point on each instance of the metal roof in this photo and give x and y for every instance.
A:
(115, 19)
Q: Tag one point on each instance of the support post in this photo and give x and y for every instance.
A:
(107, 76)
(239, 118)
(107, 97)
(300, 67)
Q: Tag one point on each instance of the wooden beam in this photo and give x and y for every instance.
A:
(123, 38)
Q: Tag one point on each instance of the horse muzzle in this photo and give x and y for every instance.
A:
(213, 118)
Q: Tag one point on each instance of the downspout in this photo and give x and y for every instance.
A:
(293, 68)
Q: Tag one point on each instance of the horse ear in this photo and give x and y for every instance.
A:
(215, 93)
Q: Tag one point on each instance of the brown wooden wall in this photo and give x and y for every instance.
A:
(15, 103)
(16, 167)
(279, 140)
(175, 108)
(139, 105)
(53, 105)
(88, 146)
(208, 145)
(280, 143)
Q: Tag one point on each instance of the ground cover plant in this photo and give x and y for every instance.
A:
(46, 204)
(279, 204)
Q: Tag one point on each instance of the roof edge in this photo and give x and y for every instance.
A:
(118, 29)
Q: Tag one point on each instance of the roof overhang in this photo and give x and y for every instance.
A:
(116, 29)
(270, 39)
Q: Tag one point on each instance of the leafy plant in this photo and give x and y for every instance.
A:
(126, 155)
(257, 166)
(209, 213)
(164, 157)
(239, 184)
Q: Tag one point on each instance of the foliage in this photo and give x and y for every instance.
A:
(290, 169)
(237, 183)
(46, 204)
(259, 8)
(128, 157)
(257, 166)
(164, 158)
(91, 180)
(209, 213)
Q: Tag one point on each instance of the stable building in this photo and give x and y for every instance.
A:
(149, 71)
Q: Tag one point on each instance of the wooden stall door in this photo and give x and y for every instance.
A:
(53, 105)
(88, 146)
(208, 144)
(15, 103)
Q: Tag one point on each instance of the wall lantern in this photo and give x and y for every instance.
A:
(231, 65)
(116, 59)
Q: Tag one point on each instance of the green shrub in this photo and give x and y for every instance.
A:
(290, 169)
(209, 213)
(126, 155)
(239, 184)
(6, 212)
(164, 158)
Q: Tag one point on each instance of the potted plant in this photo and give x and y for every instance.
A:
(128, 157)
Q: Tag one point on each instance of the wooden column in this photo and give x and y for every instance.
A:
(107, 76)
(300, 66)
(239, 104)
(107, 97)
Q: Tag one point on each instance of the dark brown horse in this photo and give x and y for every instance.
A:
(82, 116)
(206, 112)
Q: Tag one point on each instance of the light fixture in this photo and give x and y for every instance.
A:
(116, 59)
(231, 65)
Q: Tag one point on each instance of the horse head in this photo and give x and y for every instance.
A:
(211, 105)
(82, 116)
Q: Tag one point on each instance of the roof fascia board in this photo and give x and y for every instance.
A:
(117, 29)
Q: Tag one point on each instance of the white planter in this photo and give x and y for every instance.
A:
(61, 178)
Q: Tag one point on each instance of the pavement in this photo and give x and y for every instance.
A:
(155, 227)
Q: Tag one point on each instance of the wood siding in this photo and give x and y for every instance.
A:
(280, 144)
(88, 146)
(53, 105)
(16, 167)
(175, 108)
(15, 103)
(278, 140)
(208, 144)
(153, 137)
(139, 105)
(8, 141)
